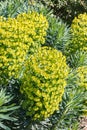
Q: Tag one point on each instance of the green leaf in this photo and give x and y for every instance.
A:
(9, 108)
(4, 127)
(7, 117)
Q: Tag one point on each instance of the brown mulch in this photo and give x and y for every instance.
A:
(83, 123)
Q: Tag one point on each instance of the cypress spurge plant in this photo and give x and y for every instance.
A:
(70, 108)
(19, 36)
(72, 105)
(42, 84)
(6, 109)
(79, 34)
(58, 32)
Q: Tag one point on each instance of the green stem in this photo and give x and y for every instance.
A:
(62, 117)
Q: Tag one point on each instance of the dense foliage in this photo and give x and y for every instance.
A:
(58, 33)
(42, 84)
(79, 34)
(76, 48)
(67, 9)
(19, 38)
(82, 77)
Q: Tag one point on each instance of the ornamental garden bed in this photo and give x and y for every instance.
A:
(43, 65)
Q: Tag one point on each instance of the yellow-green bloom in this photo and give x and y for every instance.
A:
(45, 79)
(79, 34)
(82, 77)
(19, 36)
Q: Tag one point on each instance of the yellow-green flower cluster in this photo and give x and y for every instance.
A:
(32, 27)
(79, 32)
(82, 77)
(17, 37)
(43, 82)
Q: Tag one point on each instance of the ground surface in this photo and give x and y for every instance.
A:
(83, 123)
